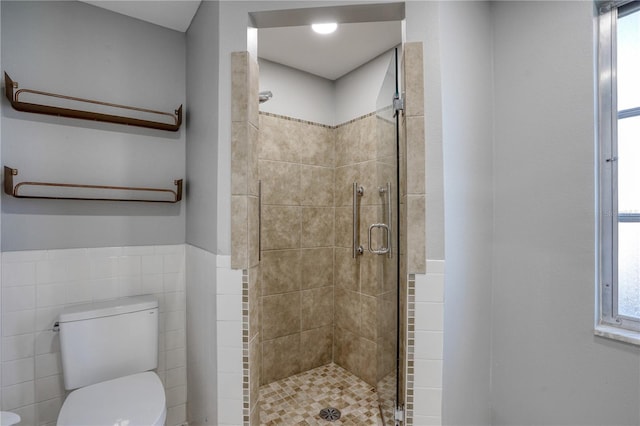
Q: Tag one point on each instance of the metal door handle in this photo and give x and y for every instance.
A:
(383, 249)
(358, 191)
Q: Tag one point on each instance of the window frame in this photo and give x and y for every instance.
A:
(608, 116)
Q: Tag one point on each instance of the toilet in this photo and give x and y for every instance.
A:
(108, 350)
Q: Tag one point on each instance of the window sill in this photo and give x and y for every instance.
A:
(619, 334)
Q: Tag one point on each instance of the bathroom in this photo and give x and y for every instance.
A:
(489, 348)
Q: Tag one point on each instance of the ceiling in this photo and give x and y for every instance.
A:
(329, 56)
(332, 55)
(174, 14)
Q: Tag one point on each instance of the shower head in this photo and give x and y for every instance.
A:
(265, 96)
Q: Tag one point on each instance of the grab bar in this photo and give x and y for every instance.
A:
(358, 191)
(389, 221)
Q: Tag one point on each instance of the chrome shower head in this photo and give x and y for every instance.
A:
(265, 96)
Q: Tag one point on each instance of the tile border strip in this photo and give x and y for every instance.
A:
(246, 403)
(410, 364)
(326, 126)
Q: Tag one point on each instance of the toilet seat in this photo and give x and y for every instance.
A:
(135, 400)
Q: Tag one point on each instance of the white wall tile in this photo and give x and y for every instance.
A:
(229, 411)
(174, 320)
(427, 402)
(174, 339)
(230, 385)
(174, 301)
(429, 316)
(172, 263)
(129, 266)
(102, 267)
(23, 256)
(47, 411)
(177, 415)
(49, 387)
(429, 288)
(229, 307)
(427, 421)
(174, 281)
(47, 342)
(77, 292)
(21, 322)
(428, 344)
(152, 264)
(104, 289)
(229, 334)
(428, 373)
(18, 371)
(230, 359)
(223, 261)
(18, 298)
(18, 274)
(175, 358)
(50, 295)
(176, 395)
(18, 395)
(17, 347)
(176, 377)
(48, 365)
(27, 414)
(130, 285)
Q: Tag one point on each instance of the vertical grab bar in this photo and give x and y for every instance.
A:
(389, 221)
(357, 248)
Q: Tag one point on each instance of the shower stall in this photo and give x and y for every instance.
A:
(328, 228)
(329, 262)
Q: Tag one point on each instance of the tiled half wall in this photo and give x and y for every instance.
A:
(37, 285)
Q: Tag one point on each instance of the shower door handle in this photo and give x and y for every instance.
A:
(358, 191)
(383, 249)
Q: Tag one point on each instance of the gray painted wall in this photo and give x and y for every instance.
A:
(547, 367)
(202, 127)
(467, 117)
(76, 49)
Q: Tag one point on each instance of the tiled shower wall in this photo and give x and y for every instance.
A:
(296, 170)
(37, 285)
(307, 247)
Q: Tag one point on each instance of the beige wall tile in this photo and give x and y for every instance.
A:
(317, 227)
(414, 83)
(344, 227)
(239, 158)
(367, 362)
(252, 163)
(416, 252)
(280, 358)
(371, 274)
(385, 138)
(345, 176)
(347, 273)
(316, 347)
(281, 271)
(239, 86)
(368, 138)
(280, 182)
(345, 349)
(317, 267)
(253, 230)
(369, 317)
(317, 146)
(239, 232)
(280, 315)
(253, 81)
(255, 364)
(415, 155)
(275, 143)
(281, 227)
(348, 310)
(317, 307)
(316, 186)
(255, 319)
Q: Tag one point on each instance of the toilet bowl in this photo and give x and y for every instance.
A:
(135, 400)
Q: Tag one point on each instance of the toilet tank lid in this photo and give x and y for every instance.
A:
(108, 308)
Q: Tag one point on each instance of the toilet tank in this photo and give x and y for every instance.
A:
(106, 340)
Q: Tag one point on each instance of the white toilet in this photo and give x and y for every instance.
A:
(108, 349)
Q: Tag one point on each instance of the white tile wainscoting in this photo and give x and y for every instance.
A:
(37, 285)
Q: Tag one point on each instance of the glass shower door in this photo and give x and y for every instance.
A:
(384, 242)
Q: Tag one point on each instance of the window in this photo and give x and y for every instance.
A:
(619, 166)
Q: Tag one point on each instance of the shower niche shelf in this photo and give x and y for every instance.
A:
(146, 117)
(72, 191)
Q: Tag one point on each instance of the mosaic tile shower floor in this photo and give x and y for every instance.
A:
(297, 400)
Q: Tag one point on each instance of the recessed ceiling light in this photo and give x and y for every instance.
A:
(326, 28)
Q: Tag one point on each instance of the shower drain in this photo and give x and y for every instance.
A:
(330, 414)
